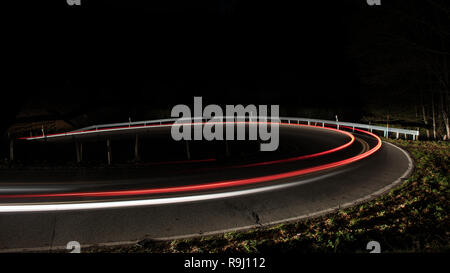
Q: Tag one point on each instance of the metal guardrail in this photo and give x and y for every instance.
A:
(94, 129)
(386, 131)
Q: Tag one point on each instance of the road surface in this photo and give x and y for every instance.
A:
(316, 170)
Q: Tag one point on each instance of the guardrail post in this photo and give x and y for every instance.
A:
(188, 152)
(11, 149)
(309, 123)
(227, 150)
(136, 148)
(78, 150)
(398, 135)
(109, 151)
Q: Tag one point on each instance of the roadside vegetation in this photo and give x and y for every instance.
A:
(410, 218)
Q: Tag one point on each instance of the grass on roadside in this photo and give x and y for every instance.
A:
(410, 218)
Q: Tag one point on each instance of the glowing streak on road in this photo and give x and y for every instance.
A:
(352, 139)
(157, 201)
(216, 185)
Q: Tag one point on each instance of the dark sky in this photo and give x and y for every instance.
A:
(135, 56)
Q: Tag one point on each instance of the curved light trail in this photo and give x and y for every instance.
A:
(217, 184)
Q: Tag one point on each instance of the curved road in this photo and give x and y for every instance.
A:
(305, 178)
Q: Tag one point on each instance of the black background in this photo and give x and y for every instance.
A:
(133, 56)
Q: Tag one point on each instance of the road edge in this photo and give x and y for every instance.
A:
(317, 214)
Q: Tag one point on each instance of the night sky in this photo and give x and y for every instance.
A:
(128, 59)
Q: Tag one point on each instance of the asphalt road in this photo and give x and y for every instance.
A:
(165, 215)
